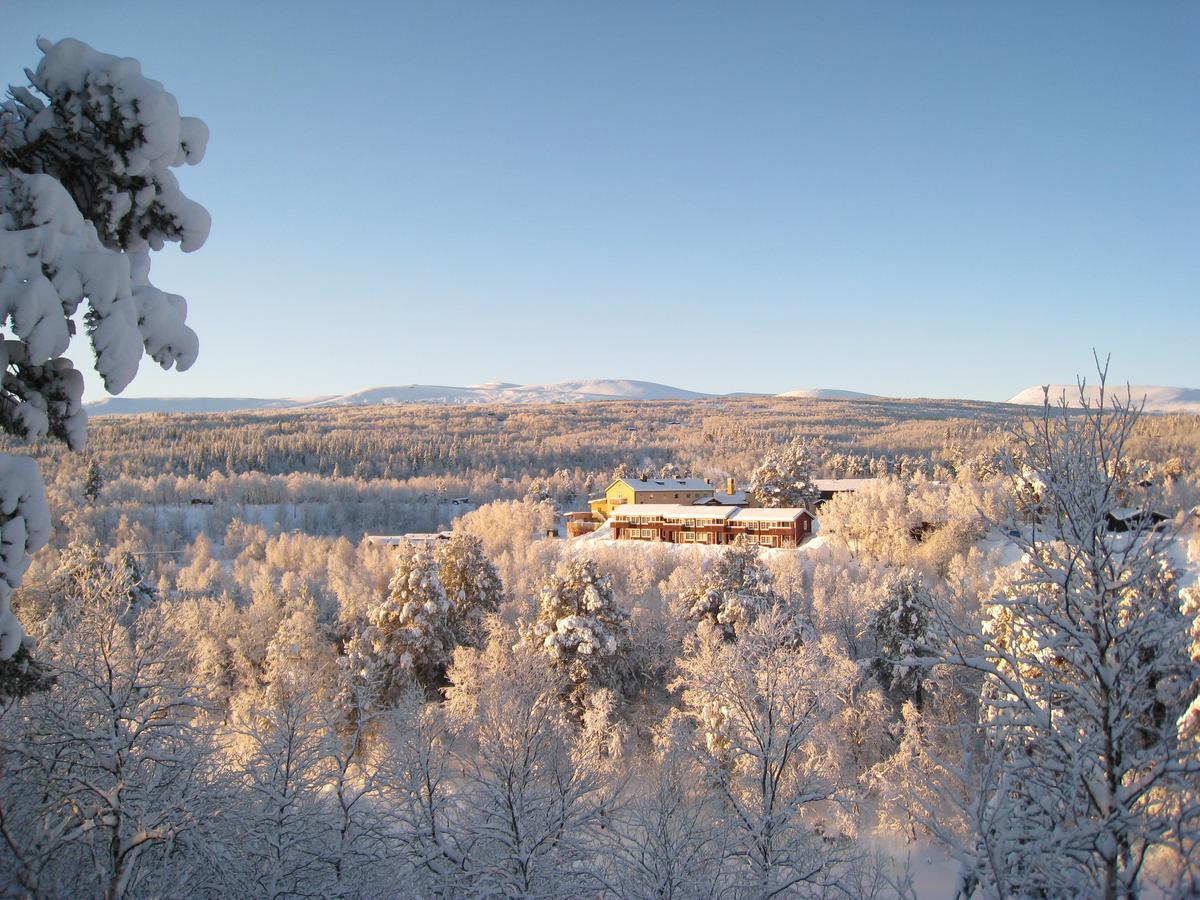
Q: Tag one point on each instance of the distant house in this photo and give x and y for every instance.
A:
(650, 490)
(416, 537)
(831, 487)
(581, 523)
(731, 496)
(1133, 518)
(680, 524)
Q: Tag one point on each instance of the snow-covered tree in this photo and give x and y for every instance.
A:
(1189, 722)
(416, 770)
(408, 638)
(86, 192)
(109, 778)
(582, 628)
(528, 805)
(93, 482)
(900, 626)
(1080, 770)
(758, 707)
(786, 478)
(281, 821)
(738, 588)
(472, 586)
(666, 840)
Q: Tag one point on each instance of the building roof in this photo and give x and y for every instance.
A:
(666, 484)
(737, 498)
(837, 485)
(671, 511)
(416, 537)
(780, 514)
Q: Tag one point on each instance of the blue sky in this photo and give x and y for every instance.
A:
(956, 199)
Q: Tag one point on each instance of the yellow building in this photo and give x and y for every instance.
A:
(651, 490)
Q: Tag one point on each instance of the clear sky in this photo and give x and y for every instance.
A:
(935, 199)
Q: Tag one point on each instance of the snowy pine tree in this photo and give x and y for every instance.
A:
(408, 637)
(737, 589)
(900, 626)
(472, 586)
(93, 482)
(86, 191)
(581, 627)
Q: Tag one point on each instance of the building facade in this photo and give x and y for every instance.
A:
(648, 491)
(679, 524)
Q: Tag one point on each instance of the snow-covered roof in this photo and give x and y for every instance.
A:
(780, 514)
(671, 511)
(737, 498)
(1126, 513)
(837, 485)
(395, 540)
(667, 484)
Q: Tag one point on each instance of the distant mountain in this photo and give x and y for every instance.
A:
(132, 406)
(828, 394)
(1158, 399)
(492, 392)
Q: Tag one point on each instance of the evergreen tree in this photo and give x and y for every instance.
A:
(471, 584)
(86, 192)
(738, 588)
(900, 625)
(581, 627)
(93, 482)
(408, 636)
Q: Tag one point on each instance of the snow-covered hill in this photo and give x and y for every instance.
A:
(132, 406)
(828, 394)
(1158, 399)
(492, 392)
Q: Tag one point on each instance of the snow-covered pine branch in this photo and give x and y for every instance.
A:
(86, 192)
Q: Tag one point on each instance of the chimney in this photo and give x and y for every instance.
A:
(729, 486)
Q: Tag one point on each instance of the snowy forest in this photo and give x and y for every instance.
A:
(980, 678)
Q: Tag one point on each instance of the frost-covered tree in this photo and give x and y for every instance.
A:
(786, 478)
(529, 806)
(93, 482)
(86, 192)
(666, 840)
(472, 585)
(408, 638)
(281, 823)
(1081, 773)
(582, 628)
(1189, 722)
(737, 589)
(759, 707)
(900, 626)
(109, 778)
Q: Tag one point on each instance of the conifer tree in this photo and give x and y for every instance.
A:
(86, 192)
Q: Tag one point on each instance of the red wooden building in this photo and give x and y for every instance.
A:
(677, 524)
